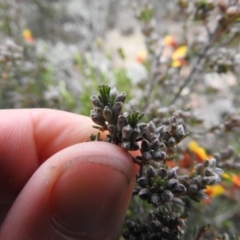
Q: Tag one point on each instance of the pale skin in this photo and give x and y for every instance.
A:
(54, 184)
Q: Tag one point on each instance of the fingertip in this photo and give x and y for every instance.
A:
(85, 188)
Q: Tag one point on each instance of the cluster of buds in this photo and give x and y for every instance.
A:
(10, 55)
(203, 8)
(205, 174)
(226, 158)
(229, 8)
(107, 112)
(107, 107)
(200, 9)
(126, 131)
(10, 52)
(145, 16)
(229, 14)
(183, 116)
(223, 61)
(162, 187)
(182, 3)
(232, 123)
(159, 186)
(155, 140)
(161, 226)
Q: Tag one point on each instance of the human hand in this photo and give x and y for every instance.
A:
(53, 185)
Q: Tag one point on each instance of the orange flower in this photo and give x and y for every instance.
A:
(171, 164)
(198, 151)
(186, 161)
(142, 56)
(170, 41)
(236, 180)
(195, 153)
(27, 35)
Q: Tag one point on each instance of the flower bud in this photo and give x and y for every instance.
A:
(117, 108)
(165, 232)
(230, 151)
(200, 195)
(131, 225)
(145, 146)
(145, 194)
(146, 133)
(193, 188)
(95, 101)
(171, 142)
(160, 130)
(211, 180)
(180, 133)
(158, 156)
(172, 173)
(162, 172)
(107, 113)
(209, 172)
(173, 119)
(99, 111)
(151, 126)
(173, 127)
(127, 132)
(212, 162)
(121, 122)
(136, 132)
(98, 120)
(121, 97)
(112, 131)
(233, 11)
(155, 144)
(167, 196)
(172, 183)
(181, 222)
(180, 188)
(156, 226)
(147, 156)
(113, 92)
(155, 199)
(142, 126)
(151, 172)
(143, 182)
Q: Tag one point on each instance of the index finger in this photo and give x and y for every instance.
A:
(30, 136)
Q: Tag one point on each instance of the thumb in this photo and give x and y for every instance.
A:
(82, 192)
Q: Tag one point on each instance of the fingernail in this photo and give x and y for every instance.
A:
(88, 197)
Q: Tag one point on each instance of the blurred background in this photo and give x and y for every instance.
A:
(171, 58)
(59, 49)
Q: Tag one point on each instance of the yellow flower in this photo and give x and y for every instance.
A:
(235, 179)
(214, 190)
(199, 151)
(178, 56)
(179, 53)
(177, 63)
(170, 41)
(27, 35)
(226, 176)
(142, 56)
